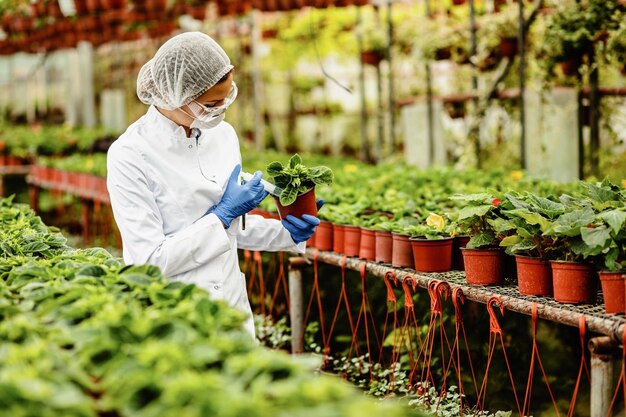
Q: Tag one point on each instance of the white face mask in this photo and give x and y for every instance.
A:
(209, 117)
(207, 124)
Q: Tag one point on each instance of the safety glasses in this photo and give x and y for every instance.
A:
(202, 112)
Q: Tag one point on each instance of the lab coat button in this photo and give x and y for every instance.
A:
(190, 146)
(216, 286)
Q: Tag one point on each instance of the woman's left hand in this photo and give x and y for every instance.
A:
(301, 229)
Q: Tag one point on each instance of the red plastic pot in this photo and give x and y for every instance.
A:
(367, 249)
(352, 242)
(613, 291)
(534, 276)
(574, 282)
(384, 246)
(457, 257)
(338, 237)
(402, 252)
(432, 255)
(324, 236)
(304, 204)
(484, 266)
(508, 47)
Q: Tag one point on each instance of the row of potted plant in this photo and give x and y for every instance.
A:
(20, 145)
(551, 231)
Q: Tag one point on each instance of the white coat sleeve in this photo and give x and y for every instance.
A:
(139, 221)
(266, 235)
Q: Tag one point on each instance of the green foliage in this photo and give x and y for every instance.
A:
(295, 178)
(480, 217)
(83, 335)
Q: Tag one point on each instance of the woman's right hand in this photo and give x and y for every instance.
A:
(238, 199)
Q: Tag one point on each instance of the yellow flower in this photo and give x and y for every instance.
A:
(517, 175)
(436, 221)
(624, 183)
(350, 168)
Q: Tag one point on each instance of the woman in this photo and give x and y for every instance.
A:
(173, 177)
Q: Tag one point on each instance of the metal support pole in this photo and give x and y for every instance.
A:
(603, 374)
(257, 80)
(581, 141)
(296, 315)
(521, 42)
(365, 151)
(392, 99)
(429, 103)
(594, 117)
(380, 118)
(473, 41)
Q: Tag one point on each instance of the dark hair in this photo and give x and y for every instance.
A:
(225, 77)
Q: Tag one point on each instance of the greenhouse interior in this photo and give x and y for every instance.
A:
(372, 207)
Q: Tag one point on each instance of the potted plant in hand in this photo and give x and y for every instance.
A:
(431, 244)
(480, 218)
(529, 219)
(298, 186)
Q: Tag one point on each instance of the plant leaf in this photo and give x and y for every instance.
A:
(288, 196)
(469, 211)
(614, 218)
(294, 161)
(274, 169)
(596, 237)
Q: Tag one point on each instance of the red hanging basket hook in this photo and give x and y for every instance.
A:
(389, 276)
(494, 326)
(408, 297)
(458, 298)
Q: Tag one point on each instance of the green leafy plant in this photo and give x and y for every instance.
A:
(480, 217)
(530, 217)
(435, 227)
(295, 178)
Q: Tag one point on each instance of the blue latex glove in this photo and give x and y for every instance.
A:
(300, 229)
(238, 199)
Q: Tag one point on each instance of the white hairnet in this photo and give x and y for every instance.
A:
(183, 69)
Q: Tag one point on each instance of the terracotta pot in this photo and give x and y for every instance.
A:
(570, 67)
(443, 54)
(432, 255)
(574, 282)
(484, 266)
(458, 2)
(304, 204)
(338, 237)
(373, 58)
(457, 257)
(508, 47)
(352, 242)
(534, 276)
(310, 243)
(613, 291)
(324, 238)
(384, 245)
(401, 252)
(367, 249)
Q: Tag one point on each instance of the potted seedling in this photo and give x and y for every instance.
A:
(431, 244)
(297, 182)
(482, 257)
(529, 219)
(573, 275)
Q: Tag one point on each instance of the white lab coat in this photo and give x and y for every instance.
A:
(162, 183)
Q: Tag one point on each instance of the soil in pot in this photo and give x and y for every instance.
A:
(434, 255)
(613, 291)
(324, 236)
(352, 240)
(384, 245)
(484, 266)
(574, 282)
(534, 276)
(338, 238)
(304, 204)
(401, 251)
(367, 249)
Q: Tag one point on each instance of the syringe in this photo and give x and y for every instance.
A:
(268, 186)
